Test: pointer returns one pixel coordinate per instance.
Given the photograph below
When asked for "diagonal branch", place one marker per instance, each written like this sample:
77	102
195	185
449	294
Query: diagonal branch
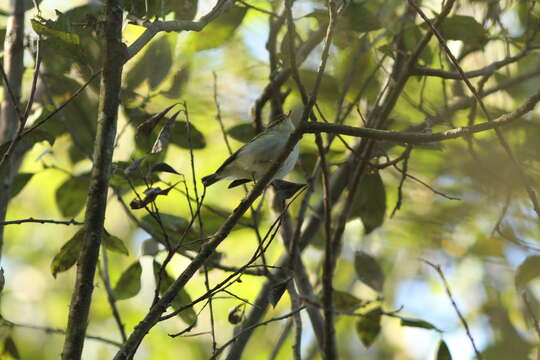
153	28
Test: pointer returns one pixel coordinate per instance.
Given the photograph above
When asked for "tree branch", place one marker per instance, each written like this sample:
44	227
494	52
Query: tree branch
97	193
422	138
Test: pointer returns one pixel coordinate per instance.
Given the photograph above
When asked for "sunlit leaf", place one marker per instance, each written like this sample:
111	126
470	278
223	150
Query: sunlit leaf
368	270
527	271
368	327
182	299
129	283
68	254
370	202
71	195
218	31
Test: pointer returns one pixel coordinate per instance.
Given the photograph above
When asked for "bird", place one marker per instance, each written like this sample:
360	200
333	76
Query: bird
254	159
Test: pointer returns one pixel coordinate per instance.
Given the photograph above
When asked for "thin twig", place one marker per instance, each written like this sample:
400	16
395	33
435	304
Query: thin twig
283	317
104	274
456	308
41	221
51	330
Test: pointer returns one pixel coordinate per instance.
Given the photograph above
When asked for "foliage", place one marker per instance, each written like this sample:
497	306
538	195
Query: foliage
190	97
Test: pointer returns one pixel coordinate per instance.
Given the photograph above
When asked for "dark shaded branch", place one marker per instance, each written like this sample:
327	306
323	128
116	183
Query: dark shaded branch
422	138
97	193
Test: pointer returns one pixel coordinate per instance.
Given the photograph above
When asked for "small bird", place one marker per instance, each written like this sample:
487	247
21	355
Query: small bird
255	158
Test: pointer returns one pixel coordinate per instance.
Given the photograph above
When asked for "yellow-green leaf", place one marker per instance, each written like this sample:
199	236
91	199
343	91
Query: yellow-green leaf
68	254
129	283
113	243
368	327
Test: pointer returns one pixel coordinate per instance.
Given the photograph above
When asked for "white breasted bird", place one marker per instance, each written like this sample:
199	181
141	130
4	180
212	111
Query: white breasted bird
255	158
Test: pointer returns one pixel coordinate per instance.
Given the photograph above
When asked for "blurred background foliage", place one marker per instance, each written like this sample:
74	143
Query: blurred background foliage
473	217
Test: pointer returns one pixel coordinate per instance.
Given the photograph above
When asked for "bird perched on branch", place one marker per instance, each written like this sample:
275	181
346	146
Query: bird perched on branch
255	158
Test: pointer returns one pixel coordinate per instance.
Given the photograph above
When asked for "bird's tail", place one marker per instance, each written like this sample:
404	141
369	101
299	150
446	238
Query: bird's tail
210	179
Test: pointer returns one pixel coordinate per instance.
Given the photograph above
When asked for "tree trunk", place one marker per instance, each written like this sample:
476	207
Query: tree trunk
115	54
9	117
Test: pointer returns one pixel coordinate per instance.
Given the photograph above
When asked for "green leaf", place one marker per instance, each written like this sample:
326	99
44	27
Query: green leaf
51	29
29	140
418	323
443	353
177	84
411	36
218	31
71	195
180	136
360	19
153	65
464	28
60	37
113	243
368	327
184	9
242	132
188	315
68	254
19	182
527	271
129	283
328	90
346	302
368	270
175	227
163	167
370	202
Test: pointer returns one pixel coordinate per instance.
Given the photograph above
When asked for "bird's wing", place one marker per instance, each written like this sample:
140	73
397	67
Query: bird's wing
229	160
264	149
